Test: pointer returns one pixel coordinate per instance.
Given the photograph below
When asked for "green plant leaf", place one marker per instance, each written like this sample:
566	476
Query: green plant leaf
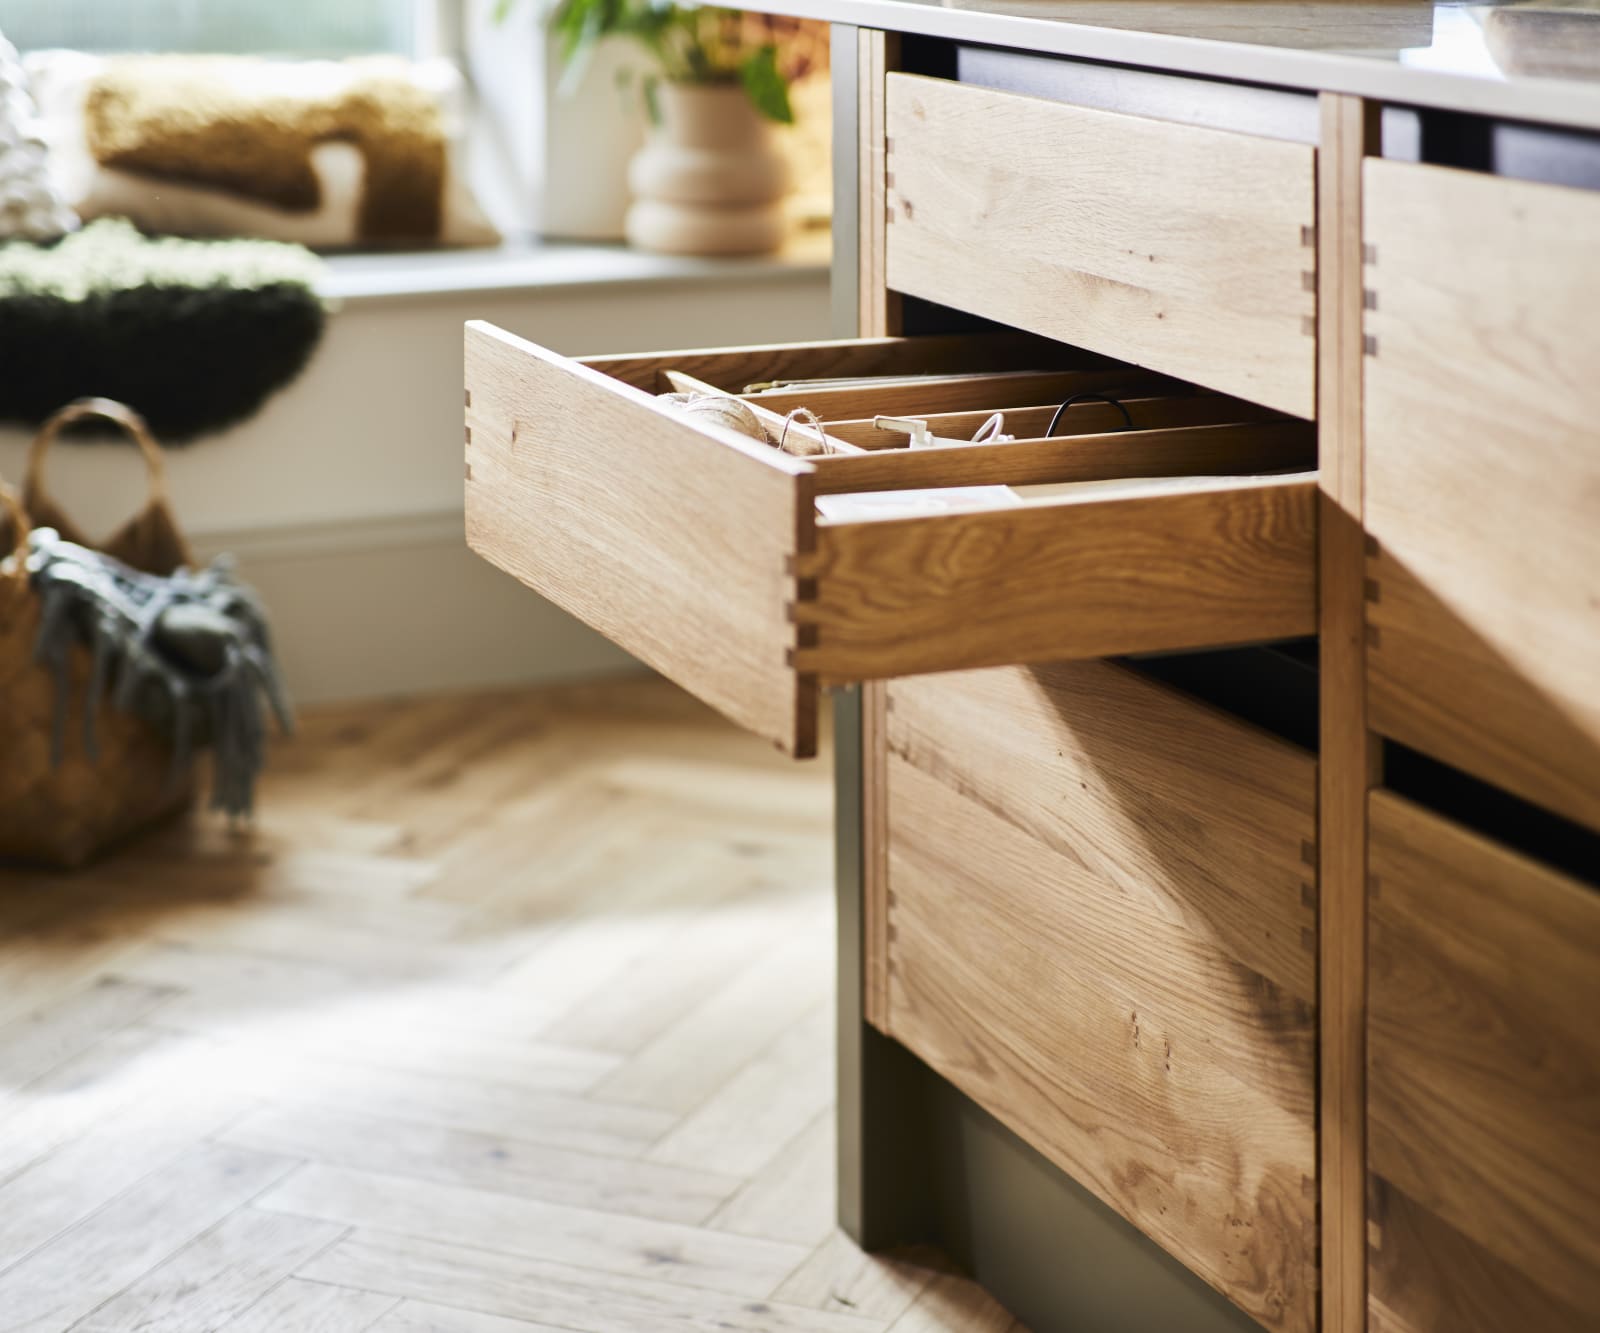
766	85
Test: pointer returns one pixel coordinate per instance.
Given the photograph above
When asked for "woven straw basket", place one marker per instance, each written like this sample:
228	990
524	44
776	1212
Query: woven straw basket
63	815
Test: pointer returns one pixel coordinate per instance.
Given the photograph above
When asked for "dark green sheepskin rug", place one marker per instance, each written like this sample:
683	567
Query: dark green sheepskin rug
195	335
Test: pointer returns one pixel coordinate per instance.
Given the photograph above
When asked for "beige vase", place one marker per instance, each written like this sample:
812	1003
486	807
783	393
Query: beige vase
710	179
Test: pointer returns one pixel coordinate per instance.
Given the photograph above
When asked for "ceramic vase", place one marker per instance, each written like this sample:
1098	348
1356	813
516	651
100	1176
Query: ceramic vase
711	177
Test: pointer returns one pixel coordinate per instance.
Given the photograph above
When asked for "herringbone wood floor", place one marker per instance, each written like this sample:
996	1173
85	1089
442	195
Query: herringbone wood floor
512	1013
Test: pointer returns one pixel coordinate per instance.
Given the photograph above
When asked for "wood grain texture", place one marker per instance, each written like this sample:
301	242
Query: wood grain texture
1483	482
1484	1078
1349	757
1085	418
1101	930
1072	578
186	1127
1196	450
1172	246
673	541
877	308
732	369
964	392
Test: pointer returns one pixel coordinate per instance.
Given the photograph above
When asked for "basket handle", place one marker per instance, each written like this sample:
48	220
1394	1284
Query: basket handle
130	421
11	503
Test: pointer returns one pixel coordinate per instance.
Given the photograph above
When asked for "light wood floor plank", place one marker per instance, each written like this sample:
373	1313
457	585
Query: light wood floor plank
587	1238
838	1276
216	1277
952	1304
140	1229
34	1044
510	1013
573	1298
762	1107
486	1161
792	1196
420	1317
297	1306
696	1056
64	1187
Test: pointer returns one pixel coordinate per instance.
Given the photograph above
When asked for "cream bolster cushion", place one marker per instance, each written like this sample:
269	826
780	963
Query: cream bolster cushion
79	96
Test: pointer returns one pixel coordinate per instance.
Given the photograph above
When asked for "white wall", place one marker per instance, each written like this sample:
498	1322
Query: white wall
343	497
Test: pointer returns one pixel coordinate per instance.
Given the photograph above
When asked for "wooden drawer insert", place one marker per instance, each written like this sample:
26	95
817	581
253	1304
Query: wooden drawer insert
1483	477
1101	926
1483	1084
1185	249
701	551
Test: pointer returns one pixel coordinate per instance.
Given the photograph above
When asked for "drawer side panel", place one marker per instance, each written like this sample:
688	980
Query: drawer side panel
672	543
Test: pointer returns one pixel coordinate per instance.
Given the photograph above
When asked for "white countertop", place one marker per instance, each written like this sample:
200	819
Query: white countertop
1523	61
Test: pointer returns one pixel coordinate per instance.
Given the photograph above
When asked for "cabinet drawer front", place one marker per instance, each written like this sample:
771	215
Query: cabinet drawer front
1101	926
703	553
1483	477
1483	1083
1183	249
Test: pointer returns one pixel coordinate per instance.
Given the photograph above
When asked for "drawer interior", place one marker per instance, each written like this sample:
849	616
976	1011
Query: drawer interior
809	542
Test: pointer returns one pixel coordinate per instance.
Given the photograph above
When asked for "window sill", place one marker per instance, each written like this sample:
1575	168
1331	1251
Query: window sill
514	268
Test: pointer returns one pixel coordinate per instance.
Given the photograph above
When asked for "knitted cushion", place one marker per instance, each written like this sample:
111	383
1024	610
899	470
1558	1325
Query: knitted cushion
192	334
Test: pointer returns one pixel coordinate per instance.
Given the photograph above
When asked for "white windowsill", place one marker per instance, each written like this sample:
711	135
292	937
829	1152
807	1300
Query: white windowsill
520	267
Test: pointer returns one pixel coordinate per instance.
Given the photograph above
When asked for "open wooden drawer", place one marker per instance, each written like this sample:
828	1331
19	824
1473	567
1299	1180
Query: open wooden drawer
702	551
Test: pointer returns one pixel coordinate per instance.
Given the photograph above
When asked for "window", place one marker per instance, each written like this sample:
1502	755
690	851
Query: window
257	27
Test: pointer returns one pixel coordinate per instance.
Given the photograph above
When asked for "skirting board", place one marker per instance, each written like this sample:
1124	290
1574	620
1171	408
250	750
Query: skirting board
387	607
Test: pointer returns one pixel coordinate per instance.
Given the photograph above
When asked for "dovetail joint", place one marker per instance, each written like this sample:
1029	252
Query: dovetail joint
469	397
469	471
1369	298
1308	325
1308	939
1369	254
1308	852
1372	545
1369	345
1371	591
1308	279
1308	236
1374	637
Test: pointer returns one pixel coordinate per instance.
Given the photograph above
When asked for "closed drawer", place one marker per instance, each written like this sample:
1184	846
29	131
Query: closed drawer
703	552
1101	926
1185	249
1483	477
1483	1084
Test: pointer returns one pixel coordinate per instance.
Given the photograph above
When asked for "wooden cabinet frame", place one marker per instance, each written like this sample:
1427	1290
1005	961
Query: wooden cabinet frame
887	1134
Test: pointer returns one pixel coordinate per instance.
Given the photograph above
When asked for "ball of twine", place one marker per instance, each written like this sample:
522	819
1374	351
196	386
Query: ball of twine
714	410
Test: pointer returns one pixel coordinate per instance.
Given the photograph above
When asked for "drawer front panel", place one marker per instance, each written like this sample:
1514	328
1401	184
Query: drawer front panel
1101	926
1483	1084
1184	249
1483	477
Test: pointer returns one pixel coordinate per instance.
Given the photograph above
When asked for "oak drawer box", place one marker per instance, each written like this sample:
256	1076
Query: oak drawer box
1483	477
1483	1084
1101	927
702	552
1184	249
